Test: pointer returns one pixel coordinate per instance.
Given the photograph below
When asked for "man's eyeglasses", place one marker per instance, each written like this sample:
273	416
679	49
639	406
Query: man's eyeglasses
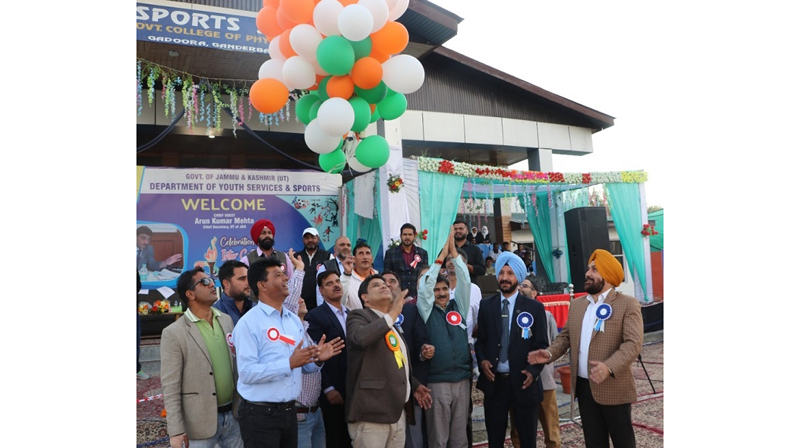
205	281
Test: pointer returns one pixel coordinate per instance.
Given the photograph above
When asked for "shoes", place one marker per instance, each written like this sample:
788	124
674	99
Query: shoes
141	375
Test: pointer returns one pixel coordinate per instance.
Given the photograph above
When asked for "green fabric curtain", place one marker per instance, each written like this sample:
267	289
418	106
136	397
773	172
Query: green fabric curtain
368	229
539	221
439	196
657	241
624	202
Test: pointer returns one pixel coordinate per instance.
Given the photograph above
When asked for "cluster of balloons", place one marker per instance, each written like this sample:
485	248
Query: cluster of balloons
346	54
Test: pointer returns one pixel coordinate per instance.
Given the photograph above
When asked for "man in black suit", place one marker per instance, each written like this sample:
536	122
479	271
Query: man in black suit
509	326
475	263
312	257
330	319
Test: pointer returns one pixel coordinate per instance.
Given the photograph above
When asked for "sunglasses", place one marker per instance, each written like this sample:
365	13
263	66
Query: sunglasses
206	281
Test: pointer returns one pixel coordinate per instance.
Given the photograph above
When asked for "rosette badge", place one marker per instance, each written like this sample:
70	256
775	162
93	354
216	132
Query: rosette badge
604	311
454	319
525	322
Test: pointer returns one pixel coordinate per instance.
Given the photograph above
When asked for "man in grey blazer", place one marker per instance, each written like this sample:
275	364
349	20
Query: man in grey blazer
379	377
198	372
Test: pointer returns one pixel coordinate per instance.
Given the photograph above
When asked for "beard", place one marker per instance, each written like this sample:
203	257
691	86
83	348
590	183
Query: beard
266	243
593	286
507	287
311	247
459	238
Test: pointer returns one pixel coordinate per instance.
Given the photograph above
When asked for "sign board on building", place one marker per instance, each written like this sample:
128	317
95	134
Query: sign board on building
199	26
205	215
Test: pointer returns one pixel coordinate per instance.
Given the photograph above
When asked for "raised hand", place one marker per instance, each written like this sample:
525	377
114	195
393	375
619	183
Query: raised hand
297	262
301	356
329	349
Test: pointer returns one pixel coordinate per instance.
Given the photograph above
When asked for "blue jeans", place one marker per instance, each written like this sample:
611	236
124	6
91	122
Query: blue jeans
228	434
310	430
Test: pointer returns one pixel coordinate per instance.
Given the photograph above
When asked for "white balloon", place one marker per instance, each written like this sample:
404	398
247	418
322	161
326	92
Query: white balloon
335	116
318	69
355	22
379	11
298	73
305	39
272	68
391	4
398	10
275	49
355	165
403	73
318	141
326	17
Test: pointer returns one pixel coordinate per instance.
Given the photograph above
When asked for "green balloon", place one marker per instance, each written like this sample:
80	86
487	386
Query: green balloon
303	106
335	55
322	90
375	116
333	162
312	111
374	95
393	106
373	151
362	48
362	113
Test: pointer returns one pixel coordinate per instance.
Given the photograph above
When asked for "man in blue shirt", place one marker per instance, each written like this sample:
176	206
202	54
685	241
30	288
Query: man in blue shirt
235	298
270	355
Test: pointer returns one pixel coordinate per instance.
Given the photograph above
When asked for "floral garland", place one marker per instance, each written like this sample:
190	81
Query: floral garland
649	230
395	183
491	173
195	91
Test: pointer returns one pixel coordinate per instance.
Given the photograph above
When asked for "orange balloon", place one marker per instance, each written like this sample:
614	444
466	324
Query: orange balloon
269	95
348	2
286	46
340	86
316	83
267	23
273	3
372	108
391	39
283	20
367	73
377	55
298	11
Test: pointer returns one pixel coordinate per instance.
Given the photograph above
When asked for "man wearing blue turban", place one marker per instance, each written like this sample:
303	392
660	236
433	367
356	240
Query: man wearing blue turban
509	326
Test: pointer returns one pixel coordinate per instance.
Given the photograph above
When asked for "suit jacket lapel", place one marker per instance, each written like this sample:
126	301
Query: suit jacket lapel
194	332
580	304
334	319
496	318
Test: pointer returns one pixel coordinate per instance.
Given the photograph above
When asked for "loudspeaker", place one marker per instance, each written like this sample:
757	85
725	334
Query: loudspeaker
587	230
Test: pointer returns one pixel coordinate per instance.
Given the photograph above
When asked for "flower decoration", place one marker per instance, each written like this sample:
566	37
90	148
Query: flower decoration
144	308
648	230
485	172
423	235
395	183
557	253
160	307
393	243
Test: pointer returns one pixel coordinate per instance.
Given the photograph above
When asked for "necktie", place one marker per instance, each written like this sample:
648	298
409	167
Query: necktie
504	334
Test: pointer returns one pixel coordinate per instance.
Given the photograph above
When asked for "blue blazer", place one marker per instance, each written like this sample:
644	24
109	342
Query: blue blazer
321	320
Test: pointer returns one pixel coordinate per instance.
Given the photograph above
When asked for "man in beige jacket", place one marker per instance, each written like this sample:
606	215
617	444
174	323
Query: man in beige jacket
198	372
604	333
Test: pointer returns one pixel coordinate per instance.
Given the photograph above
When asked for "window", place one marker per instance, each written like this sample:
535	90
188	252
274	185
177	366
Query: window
615	247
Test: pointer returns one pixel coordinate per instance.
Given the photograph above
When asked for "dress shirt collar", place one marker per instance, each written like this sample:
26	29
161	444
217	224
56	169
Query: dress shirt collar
336	310
215	312
600	299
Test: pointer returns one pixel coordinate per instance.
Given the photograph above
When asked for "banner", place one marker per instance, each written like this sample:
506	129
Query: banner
189	217
199	26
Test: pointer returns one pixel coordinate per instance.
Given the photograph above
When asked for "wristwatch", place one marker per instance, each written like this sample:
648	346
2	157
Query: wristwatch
611	372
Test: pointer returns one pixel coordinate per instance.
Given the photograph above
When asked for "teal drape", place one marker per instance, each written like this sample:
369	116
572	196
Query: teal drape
539	221
624	202
367	229
439	196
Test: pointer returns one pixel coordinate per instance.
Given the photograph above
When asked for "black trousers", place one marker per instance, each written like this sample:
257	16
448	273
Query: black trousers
268	426
601	421
336	434
496	409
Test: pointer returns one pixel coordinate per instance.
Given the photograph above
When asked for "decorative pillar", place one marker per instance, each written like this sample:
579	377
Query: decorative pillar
394	206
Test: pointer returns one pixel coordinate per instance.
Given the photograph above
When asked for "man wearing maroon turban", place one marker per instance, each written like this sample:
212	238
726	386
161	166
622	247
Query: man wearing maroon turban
263	235
604	333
